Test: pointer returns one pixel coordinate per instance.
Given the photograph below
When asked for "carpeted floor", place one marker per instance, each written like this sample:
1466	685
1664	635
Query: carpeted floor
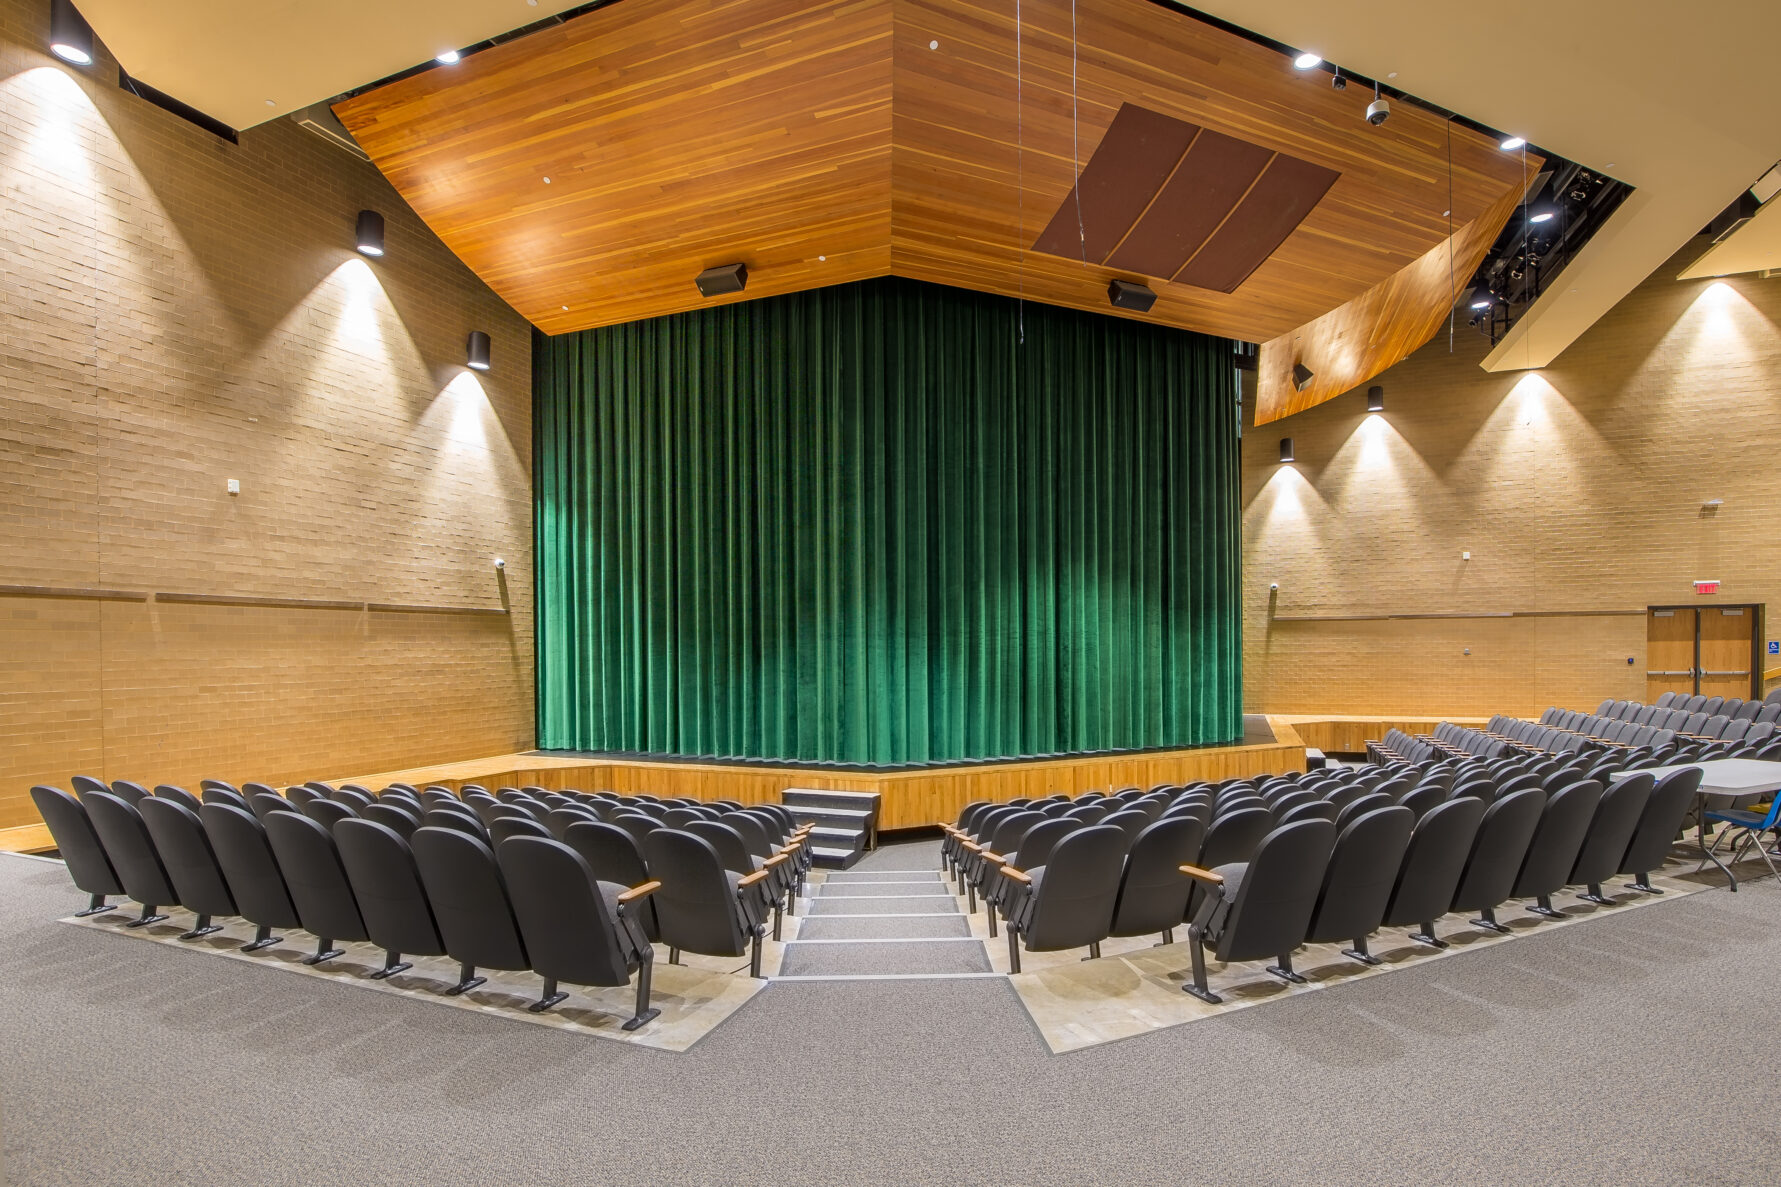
1635	1048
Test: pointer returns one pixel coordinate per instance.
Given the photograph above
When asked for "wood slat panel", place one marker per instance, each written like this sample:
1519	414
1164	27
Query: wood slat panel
1350	345
681	134
911	799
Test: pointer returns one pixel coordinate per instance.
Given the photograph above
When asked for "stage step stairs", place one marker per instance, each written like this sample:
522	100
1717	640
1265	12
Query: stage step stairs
845	823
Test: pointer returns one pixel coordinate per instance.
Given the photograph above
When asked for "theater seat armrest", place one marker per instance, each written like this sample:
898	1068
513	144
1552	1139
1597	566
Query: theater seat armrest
974	847
995	857
754	877
641	890
776	860
1017	875
1206	876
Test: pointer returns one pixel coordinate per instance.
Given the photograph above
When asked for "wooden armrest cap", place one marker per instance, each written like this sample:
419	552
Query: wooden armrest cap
995	857
974	847
1017	875
641	890
753	878
776	860
1203	875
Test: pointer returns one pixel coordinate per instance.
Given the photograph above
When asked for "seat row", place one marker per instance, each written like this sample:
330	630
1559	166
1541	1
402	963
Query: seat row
1326	859
510	883
1699	703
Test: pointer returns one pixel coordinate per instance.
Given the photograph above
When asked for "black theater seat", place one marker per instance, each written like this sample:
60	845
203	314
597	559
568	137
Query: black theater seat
132	853
79	846
702	907
255	882
190	861
577	929
1069	901
317	881
1357	885
386	883
470	903
1261	908
1497	855
1153	891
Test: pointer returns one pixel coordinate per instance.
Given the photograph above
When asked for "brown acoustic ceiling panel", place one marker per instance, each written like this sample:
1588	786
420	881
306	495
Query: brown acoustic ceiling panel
1164	198
1211	179
1272	210
1132	162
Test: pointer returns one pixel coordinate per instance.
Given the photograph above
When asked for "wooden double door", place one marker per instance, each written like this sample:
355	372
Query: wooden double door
1716	651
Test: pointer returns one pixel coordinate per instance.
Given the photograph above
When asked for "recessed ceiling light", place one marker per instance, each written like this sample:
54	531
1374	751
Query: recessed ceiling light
1543	217
933	45
1609	165
822	258
272	102
565	309
1481	304
448	58
1513	143
547	181
1307	60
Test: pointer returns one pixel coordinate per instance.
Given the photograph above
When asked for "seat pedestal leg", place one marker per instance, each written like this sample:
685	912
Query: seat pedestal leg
1013	950
1284	970
644	1013
95	906
1168	936
1487	919
324	950
203	927
148	916
1359	952
1543	906
1094	951
989	909
467	980
754	956
551	997
1427	936
1199	988
263	938
1595	895
776	919
1643	882
392	964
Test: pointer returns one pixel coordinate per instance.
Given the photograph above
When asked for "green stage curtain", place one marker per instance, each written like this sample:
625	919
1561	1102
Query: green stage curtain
886	522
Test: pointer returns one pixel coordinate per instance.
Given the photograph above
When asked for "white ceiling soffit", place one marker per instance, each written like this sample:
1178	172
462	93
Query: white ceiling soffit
1753	247
248	62
1677	100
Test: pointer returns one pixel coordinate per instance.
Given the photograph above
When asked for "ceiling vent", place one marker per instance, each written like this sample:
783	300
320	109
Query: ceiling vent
320	119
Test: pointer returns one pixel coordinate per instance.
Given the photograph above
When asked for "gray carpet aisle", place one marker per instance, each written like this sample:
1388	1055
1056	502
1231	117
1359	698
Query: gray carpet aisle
888	916
1636	1049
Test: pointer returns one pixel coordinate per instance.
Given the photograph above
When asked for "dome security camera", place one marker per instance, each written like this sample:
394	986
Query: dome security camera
1378	111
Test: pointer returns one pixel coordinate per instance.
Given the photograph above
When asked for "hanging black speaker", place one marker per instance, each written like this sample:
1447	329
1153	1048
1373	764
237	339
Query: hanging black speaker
1126	294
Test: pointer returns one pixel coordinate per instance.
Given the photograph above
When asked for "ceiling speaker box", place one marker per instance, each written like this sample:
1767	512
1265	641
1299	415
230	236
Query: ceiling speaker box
1126	295
730	278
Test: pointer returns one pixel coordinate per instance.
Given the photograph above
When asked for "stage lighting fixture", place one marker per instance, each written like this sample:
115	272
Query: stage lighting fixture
1306	61
450	57
1513	143
369	236
70	37
1301	376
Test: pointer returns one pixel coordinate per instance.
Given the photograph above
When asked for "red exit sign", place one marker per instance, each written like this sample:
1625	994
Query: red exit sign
1706	587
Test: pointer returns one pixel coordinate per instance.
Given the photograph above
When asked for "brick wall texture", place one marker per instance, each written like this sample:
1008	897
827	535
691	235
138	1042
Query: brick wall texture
1576	488
179	311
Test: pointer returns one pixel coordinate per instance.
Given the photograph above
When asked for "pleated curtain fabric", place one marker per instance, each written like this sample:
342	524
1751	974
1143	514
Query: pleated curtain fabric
886	523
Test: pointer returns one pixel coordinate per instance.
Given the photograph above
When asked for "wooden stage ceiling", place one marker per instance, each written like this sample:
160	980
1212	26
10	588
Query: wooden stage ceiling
590	171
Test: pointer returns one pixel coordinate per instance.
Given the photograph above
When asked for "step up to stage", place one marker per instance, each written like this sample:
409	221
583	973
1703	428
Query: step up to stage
844	823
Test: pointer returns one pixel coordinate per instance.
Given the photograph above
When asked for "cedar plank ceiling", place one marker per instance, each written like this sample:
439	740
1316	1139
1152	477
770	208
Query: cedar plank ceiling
682	134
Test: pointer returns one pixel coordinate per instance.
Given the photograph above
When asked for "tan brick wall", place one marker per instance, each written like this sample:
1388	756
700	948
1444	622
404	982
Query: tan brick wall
179	311
1575	488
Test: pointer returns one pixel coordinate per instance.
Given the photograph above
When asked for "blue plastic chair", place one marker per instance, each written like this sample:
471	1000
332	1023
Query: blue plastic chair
1752	824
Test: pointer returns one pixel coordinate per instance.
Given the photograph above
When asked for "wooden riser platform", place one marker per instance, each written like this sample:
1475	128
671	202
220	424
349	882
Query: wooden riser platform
911	799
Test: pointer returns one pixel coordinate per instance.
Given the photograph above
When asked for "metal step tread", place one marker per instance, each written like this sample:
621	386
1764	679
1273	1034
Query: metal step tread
866	796
862	815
